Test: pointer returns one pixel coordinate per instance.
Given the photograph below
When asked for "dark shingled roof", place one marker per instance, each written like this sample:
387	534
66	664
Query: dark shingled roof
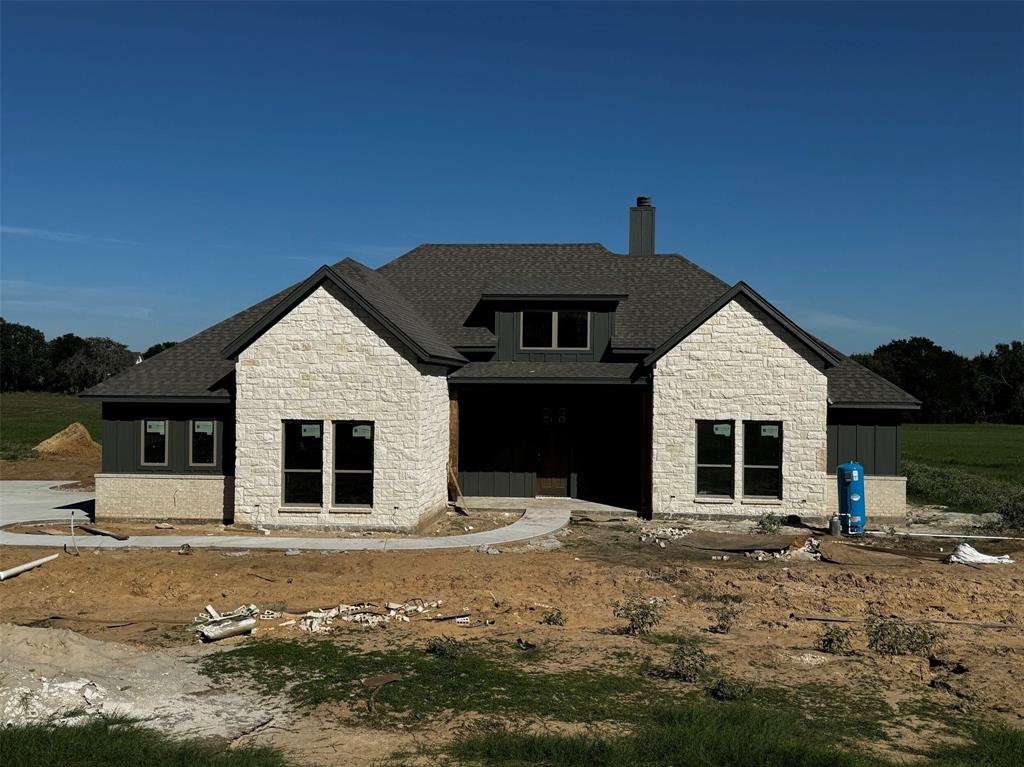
593	372
428	293
445	282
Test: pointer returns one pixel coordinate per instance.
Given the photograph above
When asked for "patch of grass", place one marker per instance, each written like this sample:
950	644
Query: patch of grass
688	663
894	636
27	418
767	524
724	617
994	451
309	673
115	742
965	492
642	613
835	640
709	735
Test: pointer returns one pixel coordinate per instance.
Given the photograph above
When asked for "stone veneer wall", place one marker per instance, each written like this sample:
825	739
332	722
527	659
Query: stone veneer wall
739	365
206	497
885	497
325	361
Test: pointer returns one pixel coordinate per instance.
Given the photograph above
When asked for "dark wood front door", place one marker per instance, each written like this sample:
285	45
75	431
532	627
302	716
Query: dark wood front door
553	459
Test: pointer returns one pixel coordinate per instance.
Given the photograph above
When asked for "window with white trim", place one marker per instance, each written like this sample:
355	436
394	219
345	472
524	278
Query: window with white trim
303	463
716	458
353	463
154	442
566	329
762	459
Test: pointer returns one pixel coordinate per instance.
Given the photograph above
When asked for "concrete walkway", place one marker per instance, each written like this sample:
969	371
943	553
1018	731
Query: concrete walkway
38	501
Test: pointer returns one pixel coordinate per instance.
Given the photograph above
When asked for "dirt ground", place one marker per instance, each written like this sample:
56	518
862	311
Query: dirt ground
143	598
79	469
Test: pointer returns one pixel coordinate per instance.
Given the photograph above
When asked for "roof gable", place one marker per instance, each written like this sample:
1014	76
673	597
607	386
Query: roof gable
744	290
370	291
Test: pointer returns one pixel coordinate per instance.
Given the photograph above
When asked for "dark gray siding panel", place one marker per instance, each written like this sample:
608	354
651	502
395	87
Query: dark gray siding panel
872	438
122	437
507	330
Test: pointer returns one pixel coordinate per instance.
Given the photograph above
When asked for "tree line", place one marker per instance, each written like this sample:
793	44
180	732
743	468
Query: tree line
67	364
952	388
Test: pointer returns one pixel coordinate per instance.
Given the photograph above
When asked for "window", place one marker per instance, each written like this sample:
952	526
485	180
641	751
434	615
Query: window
353	463
762	459
303	463
716	458
567	329
154	442
202	443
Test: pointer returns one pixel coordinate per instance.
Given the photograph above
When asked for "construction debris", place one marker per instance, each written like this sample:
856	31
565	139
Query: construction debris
965	554
10	572
163	526
184	549
662	534
320	621
212	626
100	531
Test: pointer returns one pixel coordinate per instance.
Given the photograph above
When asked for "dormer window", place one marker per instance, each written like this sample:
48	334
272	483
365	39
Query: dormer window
568	329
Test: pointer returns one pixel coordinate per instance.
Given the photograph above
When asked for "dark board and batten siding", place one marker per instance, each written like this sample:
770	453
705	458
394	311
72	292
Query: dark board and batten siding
872	438
507	330
122	437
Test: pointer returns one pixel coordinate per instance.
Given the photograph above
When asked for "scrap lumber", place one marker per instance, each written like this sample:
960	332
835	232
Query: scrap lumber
460	501
100	531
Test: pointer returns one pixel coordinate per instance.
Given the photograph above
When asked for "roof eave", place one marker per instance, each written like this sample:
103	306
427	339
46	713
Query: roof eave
870	405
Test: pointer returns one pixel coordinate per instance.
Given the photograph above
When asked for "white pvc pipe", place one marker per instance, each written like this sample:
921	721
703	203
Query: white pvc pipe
946	535
12	571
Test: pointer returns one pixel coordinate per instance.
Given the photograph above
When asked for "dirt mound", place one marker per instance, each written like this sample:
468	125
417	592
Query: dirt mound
75	440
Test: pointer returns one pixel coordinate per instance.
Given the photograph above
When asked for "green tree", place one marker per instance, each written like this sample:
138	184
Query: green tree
95	360
1000	383
157	348
22	357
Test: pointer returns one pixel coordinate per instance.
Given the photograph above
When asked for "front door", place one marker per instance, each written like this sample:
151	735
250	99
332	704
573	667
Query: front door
553	458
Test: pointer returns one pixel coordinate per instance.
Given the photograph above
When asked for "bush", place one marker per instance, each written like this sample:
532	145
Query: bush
445	647
964	491
894	636
835	640
553	618
688	663
724	616
730	689
642	614
768	524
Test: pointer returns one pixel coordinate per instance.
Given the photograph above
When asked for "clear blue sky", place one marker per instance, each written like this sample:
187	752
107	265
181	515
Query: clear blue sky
862	166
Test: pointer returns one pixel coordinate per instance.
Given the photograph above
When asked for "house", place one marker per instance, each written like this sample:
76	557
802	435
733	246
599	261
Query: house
639	380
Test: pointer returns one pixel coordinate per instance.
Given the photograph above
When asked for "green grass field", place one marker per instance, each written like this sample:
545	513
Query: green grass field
994	451
27	418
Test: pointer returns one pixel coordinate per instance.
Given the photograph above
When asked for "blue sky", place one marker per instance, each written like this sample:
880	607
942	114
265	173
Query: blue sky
862	166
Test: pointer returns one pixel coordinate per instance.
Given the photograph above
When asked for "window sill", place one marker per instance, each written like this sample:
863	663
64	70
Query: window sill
714	499
755	501
350	510
299	509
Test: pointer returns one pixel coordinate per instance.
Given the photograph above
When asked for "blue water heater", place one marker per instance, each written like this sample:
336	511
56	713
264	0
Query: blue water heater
852	510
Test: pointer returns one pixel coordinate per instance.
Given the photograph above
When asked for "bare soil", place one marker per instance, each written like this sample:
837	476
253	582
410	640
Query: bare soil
70	454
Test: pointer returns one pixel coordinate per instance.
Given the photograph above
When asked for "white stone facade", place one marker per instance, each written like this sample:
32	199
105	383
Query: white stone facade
885	499
193	497
328	362
739	365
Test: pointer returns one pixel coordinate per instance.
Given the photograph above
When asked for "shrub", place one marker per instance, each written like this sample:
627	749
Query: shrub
894	636
688	663
724	616
642	614
768	524
835	640
445	647
730	689
962	490
553	618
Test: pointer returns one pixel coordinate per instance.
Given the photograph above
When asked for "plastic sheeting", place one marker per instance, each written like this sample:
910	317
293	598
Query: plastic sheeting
965	554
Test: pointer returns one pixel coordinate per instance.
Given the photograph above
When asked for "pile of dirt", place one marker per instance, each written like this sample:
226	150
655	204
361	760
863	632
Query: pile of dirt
73	442
50	672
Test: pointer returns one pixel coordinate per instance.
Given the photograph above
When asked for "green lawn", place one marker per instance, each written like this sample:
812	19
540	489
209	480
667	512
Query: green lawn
27	418
995	451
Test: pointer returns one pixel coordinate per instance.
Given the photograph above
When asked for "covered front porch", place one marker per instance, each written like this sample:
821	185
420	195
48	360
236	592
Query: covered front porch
580	442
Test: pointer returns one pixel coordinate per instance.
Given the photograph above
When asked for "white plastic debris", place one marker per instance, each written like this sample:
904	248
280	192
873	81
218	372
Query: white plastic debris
367	613
662	534
965	554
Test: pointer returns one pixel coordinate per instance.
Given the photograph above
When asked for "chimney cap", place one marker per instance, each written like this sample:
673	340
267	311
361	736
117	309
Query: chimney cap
643	202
